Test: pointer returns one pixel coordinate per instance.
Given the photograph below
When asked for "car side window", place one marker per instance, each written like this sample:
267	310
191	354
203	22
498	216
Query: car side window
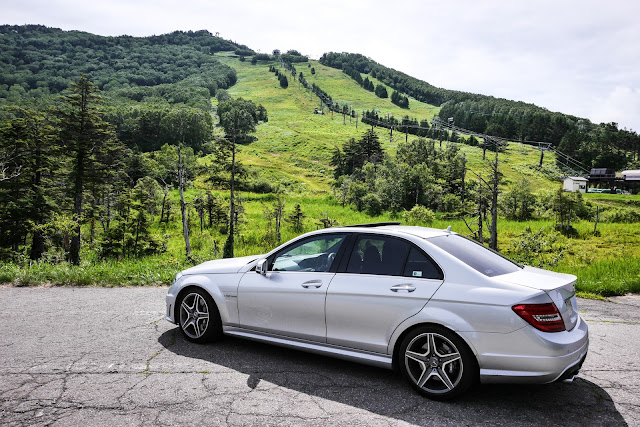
313	254
378	255
420	265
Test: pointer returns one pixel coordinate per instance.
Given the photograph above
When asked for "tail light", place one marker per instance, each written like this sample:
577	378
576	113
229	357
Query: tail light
544	317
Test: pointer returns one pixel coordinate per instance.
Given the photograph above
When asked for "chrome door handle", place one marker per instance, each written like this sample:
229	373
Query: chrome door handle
405	287
312	284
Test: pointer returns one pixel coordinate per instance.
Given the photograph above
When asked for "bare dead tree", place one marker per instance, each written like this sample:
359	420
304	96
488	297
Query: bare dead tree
8	167
489	199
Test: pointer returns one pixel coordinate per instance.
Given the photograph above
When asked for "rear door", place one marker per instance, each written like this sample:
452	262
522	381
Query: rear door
383	281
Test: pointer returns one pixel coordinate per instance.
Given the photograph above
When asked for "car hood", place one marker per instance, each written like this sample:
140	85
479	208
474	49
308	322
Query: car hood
225	265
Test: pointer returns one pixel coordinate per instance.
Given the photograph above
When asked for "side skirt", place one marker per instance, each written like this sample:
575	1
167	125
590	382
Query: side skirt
373	359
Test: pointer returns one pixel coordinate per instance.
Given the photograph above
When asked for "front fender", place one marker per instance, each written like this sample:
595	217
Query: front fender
223	288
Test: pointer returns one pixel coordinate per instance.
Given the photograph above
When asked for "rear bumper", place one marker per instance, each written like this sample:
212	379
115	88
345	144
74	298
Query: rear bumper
530	356
572	371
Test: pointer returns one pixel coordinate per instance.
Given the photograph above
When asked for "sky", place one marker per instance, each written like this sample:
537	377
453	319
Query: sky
577	57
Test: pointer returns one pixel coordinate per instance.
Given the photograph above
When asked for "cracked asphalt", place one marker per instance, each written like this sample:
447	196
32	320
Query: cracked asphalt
98	356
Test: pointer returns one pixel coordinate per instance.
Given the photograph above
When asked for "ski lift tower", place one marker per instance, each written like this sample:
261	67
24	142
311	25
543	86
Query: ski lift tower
543	146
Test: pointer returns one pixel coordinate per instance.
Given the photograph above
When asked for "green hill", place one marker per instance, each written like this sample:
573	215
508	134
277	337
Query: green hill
296	144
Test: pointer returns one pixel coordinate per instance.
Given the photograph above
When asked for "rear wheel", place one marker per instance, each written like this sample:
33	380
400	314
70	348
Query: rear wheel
437	362
198	317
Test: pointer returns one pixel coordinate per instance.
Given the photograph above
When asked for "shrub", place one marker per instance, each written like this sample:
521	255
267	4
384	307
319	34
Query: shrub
519	201
356	193
539	249
451	203
624	215
244	52
372	204
419	215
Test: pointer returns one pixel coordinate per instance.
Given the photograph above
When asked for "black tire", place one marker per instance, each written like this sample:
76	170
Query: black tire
198	316
442	374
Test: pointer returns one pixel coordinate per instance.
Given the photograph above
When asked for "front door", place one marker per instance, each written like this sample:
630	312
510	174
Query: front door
289	299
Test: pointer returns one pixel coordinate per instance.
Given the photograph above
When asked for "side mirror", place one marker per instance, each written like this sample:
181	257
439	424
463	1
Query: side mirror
262	266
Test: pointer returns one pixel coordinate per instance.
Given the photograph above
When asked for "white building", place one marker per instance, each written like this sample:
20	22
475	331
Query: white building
573	183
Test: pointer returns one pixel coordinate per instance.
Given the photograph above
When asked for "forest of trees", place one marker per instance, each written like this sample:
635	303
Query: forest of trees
65	167
419	174
36	61
96	131
595	145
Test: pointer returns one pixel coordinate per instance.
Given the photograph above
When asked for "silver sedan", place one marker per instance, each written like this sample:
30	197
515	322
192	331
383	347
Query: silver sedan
438	307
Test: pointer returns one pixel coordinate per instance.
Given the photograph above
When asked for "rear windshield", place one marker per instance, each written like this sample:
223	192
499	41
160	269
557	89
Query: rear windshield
475	255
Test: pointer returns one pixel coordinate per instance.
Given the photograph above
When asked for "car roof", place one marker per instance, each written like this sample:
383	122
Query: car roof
384	228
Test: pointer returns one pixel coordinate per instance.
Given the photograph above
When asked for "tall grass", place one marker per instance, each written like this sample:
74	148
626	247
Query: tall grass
149	271
606	265
607	277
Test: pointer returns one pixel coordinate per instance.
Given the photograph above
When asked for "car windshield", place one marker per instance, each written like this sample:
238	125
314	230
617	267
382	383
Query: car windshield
475	255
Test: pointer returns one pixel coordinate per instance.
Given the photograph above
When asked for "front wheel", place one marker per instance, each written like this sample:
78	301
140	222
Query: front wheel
437	362
199	318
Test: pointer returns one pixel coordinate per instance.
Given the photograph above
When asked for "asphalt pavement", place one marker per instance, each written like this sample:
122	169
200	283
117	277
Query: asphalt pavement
106	356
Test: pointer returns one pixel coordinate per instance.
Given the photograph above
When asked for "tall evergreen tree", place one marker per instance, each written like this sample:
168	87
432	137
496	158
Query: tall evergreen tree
284	83
381	91
91	144
25	201
371	149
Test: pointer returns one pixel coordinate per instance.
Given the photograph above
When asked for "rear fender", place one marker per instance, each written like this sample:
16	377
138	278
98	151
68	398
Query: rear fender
434	316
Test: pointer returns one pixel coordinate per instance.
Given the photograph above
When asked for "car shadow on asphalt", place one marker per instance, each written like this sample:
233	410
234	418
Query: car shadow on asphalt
384	392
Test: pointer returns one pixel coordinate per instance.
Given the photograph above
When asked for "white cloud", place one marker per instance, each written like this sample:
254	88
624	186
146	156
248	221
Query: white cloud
622	105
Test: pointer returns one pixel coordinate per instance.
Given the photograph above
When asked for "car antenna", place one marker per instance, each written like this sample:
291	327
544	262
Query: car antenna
448	230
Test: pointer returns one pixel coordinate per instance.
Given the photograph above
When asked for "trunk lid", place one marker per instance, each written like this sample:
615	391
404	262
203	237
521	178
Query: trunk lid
560	287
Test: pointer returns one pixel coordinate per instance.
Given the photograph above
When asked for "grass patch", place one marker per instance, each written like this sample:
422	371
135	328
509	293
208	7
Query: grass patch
607	277
588	257
149	271
590	295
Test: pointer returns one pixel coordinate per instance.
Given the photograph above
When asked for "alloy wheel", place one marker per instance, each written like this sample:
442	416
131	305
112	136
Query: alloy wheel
433	363
194	315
